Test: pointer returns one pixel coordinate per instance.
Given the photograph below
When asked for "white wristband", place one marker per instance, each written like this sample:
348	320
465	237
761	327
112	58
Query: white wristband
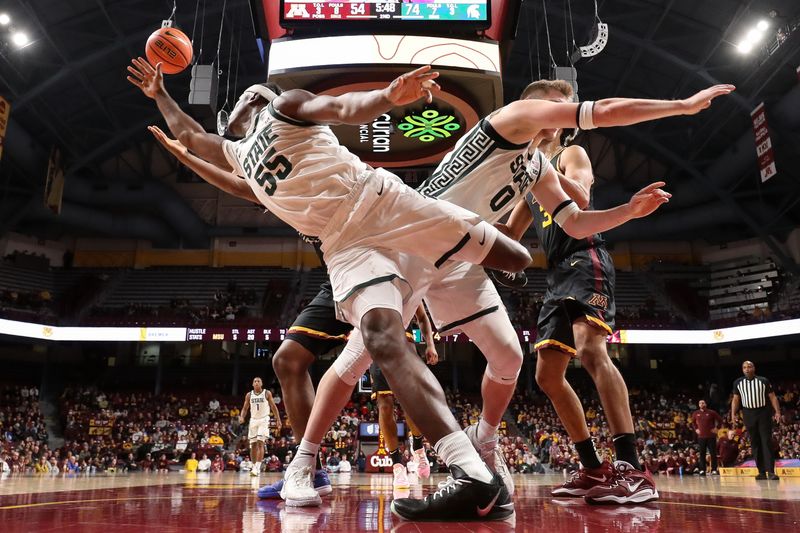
586	116
565	211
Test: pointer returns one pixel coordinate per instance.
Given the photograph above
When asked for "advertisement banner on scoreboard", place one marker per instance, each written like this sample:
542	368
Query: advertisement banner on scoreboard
764	152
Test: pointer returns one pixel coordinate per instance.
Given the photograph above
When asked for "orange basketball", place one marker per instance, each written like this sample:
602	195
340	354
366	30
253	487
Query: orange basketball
170	47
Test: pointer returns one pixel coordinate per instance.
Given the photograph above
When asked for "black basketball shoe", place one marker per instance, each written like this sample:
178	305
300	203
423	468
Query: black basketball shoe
514	280
461	498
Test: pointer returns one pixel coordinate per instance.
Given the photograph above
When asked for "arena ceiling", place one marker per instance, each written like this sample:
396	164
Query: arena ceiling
68	89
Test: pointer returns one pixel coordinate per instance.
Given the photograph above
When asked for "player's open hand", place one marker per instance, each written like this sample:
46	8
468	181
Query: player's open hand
412	86
702	100
148	79
172	145
648	200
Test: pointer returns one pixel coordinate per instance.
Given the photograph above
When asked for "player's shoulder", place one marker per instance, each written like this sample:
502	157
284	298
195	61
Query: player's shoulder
575	151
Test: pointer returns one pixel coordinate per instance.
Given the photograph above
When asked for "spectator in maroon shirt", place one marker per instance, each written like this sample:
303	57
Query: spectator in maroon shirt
728	450
705	422
163	463
217	465
147	463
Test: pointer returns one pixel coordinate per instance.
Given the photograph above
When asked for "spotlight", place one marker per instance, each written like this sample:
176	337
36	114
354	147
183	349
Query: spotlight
5	20
20	39
744	47
762	25
753	36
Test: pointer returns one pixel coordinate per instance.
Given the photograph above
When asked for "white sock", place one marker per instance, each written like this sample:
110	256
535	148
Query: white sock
306	455
486	431
257	466
456	449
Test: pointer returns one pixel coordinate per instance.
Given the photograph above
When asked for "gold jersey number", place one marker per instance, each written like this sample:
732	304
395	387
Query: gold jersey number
547	218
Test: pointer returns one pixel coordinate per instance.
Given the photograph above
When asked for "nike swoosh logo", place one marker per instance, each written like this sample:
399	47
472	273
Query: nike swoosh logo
573	263
380	191
483	239
486	510
634	486
600	479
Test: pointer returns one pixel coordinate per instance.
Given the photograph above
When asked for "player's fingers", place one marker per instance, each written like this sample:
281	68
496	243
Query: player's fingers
428	76
134	81
652	187
158	69
135	72
143	65
428	96
417	72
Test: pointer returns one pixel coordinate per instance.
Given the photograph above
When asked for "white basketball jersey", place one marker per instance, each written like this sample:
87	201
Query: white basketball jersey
297	170
485	173
259	407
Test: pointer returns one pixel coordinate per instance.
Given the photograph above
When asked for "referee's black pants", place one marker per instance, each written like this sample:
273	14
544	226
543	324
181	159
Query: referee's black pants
759	425
709	444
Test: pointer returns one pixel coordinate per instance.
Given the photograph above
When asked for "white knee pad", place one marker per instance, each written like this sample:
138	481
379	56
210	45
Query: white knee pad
495	337
353	361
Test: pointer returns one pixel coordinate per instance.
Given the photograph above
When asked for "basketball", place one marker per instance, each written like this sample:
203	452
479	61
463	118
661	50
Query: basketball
170	47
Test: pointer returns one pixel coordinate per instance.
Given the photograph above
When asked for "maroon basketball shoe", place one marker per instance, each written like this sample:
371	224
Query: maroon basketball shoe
584	479
628	485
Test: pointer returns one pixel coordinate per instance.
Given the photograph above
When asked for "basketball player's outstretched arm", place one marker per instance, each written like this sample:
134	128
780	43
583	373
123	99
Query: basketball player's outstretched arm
521	121
551	193
358	107
275	412
186	129
225	181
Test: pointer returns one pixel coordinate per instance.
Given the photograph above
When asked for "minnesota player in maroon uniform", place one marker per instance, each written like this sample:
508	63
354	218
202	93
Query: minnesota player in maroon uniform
576	317
706	422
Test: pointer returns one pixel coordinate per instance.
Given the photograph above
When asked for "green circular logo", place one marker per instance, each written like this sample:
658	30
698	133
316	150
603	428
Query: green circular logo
428	126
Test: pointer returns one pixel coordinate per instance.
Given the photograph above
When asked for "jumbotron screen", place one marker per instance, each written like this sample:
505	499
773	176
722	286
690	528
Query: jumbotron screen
470	12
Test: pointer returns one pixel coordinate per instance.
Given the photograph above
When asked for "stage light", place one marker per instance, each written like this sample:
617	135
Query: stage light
744	47
762	25
20	39
753	36
5	20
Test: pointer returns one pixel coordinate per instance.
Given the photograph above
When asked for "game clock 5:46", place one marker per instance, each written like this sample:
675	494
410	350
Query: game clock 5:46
378	14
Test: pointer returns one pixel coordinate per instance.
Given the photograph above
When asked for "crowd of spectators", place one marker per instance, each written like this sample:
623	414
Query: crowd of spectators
18	303
666	439
23	434
126	432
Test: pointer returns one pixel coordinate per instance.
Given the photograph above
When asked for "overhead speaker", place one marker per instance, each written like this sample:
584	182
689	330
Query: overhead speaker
203	89
570	75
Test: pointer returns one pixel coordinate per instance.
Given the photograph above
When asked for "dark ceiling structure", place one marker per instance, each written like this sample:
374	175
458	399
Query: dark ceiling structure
68	89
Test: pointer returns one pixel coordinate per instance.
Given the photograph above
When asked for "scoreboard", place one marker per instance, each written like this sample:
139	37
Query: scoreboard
474	13
235	334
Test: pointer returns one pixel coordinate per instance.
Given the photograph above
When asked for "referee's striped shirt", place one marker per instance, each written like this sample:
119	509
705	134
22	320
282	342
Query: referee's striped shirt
753	392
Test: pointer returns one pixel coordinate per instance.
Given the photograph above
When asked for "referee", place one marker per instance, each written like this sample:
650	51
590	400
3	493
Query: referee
750	392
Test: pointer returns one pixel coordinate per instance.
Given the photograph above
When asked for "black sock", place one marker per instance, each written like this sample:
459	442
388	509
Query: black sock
587	454
416	442
625	449
396	457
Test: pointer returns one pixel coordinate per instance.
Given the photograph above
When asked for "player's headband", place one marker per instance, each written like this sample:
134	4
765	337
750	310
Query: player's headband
262	91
